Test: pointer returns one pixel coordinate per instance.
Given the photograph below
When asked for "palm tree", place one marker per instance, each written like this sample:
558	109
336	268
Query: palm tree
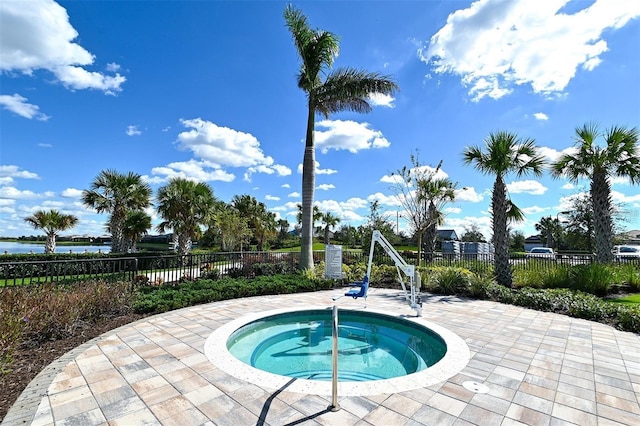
136	226
345	89
317	215
261	222
620	158
232	226
184	205
437	193
265	227
117	194
51	222
548	227
329	221
505	153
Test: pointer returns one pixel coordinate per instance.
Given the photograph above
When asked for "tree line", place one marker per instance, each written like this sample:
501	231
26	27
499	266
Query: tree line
347	89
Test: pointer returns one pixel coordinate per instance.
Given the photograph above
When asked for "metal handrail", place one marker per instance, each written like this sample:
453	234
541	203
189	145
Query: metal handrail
334	361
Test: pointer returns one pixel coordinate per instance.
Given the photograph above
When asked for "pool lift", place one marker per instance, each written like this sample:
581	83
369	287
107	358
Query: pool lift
413	297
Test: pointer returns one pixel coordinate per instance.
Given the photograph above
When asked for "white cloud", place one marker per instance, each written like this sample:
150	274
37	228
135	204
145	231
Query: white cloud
294	195
45	145
37	34
71	193
15	172
468	193
553	155
287	206
347	135
319	171
201	171
16	194
420	172
495	45
285	185
453	210
5	202
325	186
345	210
385	200
113	67
566	203
526	186
541	116
460	223
379	99
568	186
221	146
6	180
534	209
18	104
271	198
619	197
133	131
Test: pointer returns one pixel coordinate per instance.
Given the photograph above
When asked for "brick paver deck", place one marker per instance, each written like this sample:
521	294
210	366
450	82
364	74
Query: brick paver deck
538	368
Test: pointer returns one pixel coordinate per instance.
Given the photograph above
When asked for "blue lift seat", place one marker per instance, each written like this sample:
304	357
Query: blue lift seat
361	291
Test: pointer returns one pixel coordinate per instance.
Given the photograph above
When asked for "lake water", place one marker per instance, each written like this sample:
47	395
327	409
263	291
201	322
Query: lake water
20	248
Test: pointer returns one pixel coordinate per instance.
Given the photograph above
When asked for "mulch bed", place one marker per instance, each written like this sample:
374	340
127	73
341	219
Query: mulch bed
31	359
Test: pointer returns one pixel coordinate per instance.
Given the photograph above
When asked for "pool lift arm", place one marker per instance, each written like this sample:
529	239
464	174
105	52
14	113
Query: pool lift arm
401	265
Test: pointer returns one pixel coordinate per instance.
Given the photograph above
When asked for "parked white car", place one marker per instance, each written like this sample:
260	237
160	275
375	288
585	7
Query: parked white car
626	252
541	252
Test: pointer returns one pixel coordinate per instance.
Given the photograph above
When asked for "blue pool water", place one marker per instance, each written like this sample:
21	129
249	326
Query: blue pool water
371	346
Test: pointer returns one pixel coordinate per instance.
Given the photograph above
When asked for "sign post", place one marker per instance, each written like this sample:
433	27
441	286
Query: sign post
333	262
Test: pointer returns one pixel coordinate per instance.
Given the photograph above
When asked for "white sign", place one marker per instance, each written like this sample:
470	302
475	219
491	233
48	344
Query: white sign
333	262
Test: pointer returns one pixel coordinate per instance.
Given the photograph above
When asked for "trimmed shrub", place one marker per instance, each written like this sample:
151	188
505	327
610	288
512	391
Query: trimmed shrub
166	298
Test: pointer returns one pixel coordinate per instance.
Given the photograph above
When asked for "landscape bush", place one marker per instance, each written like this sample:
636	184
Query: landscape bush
594	278
570	302
448	280
165	298
31	315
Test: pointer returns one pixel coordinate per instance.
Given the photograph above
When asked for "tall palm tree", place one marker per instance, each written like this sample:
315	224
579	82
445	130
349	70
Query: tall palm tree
117	194
136	226
344	89
184	205
619	158
437	192
329	221
505	153
51	222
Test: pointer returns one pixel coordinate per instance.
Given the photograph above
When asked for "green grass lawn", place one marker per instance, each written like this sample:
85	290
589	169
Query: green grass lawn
632	299
316	246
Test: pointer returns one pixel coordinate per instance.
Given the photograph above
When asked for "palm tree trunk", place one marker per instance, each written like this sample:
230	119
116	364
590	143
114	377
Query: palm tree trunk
308	186
432	231
603	228
50	246
184	246
500	234
118	244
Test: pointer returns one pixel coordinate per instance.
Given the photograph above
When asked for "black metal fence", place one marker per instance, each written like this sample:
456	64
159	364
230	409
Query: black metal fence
174	268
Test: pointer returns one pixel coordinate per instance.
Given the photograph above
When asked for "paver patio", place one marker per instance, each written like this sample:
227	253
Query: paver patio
538	368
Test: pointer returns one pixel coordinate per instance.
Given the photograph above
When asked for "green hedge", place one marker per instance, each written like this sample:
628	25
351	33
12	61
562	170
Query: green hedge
166	298
573	303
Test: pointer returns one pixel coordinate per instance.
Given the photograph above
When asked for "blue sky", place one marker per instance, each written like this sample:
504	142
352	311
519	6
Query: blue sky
206	90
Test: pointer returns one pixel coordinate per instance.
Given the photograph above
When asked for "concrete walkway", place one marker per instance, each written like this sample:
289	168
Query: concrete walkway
535	368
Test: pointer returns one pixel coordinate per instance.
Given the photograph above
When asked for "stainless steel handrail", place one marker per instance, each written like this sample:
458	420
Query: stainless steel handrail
334	361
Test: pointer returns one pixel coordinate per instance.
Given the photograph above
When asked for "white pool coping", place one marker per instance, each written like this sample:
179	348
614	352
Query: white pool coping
455	359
